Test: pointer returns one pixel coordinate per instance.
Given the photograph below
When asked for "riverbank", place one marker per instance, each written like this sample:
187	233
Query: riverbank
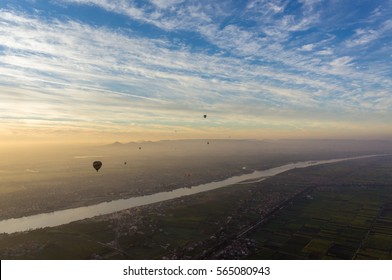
66	216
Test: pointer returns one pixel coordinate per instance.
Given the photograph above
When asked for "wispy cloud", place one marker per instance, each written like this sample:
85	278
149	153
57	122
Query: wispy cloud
308	47
269	59
369	35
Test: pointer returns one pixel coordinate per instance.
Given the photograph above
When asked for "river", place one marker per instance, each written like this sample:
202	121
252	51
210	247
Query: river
70	215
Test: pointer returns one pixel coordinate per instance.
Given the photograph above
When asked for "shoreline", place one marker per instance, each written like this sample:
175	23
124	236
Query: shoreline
91	210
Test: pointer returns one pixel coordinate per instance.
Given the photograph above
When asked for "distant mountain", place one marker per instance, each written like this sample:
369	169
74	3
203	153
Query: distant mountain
283	145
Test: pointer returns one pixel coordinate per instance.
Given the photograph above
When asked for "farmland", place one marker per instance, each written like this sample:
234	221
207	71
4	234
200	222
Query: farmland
349	217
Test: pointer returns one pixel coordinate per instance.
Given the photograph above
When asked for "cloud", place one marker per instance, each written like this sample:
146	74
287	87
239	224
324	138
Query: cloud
363	37
257	66
308	47
165	4
88	60
167	15
325	52
341	61
266	7
268	29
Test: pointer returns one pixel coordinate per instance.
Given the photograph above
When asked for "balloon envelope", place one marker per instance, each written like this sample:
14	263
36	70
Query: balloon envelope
97	165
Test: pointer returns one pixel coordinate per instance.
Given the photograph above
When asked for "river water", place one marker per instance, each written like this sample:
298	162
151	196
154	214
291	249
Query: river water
70	215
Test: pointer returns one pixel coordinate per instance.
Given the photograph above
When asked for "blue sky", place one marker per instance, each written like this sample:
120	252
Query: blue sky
129	70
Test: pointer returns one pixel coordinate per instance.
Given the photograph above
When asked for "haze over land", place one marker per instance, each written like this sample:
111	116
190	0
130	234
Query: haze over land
328	211
46	178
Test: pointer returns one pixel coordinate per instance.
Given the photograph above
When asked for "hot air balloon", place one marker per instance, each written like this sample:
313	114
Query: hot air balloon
97	165
205	116
125	162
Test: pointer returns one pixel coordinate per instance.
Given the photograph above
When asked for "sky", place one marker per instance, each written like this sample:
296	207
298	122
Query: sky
130	70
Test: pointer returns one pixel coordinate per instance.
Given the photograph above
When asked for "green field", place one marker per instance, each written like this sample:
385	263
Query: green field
338	220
